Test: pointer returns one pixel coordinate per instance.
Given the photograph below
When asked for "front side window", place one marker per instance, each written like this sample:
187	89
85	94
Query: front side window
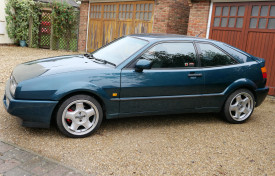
120	50
171	55
212	56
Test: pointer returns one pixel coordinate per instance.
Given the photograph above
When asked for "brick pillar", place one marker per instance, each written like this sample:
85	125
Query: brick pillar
171	16
198	18
84	9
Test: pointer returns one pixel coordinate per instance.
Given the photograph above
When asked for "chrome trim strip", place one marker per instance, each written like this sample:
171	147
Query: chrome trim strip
165	97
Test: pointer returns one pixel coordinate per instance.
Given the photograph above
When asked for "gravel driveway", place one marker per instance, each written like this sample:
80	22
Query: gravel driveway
190	144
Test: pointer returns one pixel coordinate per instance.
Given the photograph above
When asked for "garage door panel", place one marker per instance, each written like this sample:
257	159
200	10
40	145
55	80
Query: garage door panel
125	28
271	61
255	32
94	35
109	21
258	44
262	45
227	36
143	27
109	11
108	32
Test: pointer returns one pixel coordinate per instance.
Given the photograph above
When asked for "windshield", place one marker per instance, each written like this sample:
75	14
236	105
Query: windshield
120	50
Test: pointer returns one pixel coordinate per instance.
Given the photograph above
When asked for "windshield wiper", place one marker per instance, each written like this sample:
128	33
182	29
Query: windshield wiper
105	61
90	56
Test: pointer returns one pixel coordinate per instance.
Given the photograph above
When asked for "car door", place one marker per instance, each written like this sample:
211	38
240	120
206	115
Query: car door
172	85
220	70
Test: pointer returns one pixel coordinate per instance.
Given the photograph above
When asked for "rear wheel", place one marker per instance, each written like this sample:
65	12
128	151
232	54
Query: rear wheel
79	116
239	106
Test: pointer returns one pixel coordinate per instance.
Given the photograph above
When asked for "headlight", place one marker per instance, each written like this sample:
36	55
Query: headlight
13	85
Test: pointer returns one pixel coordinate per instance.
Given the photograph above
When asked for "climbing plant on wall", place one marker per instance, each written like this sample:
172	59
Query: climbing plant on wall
18	18
36	9
64	18
23	23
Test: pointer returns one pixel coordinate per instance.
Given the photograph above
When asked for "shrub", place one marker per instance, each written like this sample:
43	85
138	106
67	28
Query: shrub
18	15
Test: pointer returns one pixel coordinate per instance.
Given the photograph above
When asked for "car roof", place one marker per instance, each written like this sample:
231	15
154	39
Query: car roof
162	37
153	38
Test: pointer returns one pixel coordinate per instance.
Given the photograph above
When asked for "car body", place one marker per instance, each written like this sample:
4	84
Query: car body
190	74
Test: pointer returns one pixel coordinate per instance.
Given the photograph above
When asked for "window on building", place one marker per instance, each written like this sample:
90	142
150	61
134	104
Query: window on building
109	11
96	11
126	11
262	17
144	11
229	16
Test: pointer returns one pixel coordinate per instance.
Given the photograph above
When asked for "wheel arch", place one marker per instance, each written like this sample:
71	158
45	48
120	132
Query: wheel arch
240	84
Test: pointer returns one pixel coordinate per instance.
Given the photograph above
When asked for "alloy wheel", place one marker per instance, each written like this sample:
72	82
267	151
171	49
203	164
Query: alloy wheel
241	106
80	117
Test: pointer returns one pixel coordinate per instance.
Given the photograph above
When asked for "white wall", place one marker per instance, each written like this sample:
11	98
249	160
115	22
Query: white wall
4	38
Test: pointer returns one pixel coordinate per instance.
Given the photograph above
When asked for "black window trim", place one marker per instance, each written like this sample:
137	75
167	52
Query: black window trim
210	43
131	65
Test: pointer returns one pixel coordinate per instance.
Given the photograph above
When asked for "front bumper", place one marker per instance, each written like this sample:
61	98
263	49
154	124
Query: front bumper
32	112
260	95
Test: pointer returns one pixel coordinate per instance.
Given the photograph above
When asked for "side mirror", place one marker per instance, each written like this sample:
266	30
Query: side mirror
143	64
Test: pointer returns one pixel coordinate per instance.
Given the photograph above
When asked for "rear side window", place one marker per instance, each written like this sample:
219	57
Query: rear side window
171	55
239	56
212	56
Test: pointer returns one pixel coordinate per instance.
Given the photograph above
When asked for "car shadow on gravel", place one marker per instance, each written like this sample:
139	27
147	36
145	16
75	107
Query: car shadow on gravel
159	121
140	122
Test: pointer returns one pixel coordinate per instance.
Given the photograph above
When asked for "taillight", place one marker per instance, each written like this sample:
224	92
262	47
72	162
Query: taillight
264	72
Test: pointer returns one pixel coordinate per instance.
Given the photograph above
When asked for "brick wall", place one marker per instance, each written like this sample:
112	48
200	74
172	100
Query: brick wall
171	16
84	8
198	17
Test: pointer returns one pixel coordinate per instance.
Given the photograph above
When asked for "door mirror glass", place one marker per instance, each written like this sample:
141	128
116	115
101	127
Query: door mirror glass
143	64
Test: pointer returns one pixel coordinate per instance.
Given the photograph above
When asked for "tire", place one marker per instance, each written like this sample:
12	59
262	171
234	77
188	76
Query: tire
79	116
239	106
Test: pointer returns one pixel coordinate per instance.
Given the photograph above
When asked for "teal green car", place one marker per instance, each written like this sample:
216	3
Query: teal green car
137	75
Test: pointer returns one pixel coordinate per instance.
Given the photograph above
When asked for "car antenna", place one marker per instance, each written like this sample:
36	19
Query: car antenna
199	34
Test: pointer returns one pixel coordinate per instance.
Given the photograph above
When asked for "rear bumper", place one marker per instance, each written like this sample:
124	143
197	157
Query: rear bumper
32	112
260	95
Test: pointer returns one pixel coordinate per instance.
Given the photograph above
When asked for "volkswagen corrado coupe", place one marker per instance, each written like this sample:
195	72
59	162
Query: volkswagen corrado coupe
137	75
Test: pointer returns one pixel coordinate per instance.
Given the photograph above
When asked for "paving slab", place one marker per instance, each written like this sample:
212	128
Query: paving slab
17	172
15	161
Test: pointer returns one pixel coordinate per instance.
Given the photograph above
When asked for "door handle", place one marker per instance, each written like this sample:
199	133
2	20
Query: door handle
195	75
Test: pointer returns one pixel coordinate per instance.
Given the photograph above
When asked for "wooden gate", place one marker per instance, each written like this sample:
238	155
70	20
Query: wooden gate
45	29
249	26
109	21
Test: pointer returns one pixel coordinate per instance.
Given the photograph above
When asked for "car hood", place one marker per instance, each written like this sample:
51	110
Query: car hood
54	65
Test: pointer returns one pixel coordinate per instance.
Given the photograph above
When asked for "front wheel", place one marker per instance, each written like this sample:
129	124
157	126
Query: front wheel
79	116
239	106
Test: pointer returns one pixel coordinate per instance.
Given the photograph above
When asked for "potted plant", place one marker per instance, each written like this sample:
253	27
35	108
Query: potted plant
22	35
